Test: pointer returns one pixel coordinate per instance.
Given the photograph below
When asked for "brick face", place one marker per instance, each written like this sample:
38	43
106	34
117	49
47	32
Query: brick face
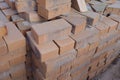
65	44
78	23
16	41
55	30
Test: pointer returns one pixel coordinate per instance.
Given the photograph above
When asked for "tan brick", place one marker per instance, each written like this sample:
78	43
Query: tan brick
11	3
66	61
78	23
54	65
93	42
47	68
81	39
45	51
83	50
22	6
23	26
57	29
3	30
22	78
80	71
4	67
14	42
115	17
65	76
112	24
103	28
50	13
38	75
9	12
32	16
80	61
18	71
92	17
51	3
17	60
3	47
3	5
16	18
65	44
3	17
5	76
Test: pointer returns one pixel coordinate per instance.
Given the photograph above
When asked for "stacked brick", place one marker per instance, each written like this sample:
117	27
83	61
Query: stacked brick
52	8
77	47
93	43
52	50
12	54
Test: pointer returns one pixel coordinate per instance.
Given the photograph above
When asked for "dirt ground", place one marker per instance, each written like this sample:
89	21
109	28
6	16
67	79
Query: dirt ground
112	73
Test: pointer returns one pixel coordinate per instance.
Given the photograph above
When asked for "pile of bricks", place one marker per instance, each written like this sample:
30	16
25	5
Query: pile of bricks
72	46
78	49
12	53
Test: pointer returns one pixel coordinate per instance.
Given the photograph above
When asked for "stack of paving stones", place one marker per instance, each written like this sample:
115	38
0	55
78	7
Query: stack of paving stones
74	46
91	47
12	53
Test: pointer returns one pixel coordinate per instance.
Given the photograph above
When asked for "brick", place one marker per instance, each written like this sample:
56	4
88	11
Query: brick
78	23
16	18
4	67
14	42
83	50
42	34
22	6
22	78
65	76
91	75
93	42
115	17
78	72
103	28
3	17
92	17
81	61
66	61
11	3
3	47
18	71
3	30
17	60
54	65
118	28
81	39
32	16
24	26
112	24
38	75
5	76
46	68
45	51
65	44
9	12
25	5
51	3
50	13
3	5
